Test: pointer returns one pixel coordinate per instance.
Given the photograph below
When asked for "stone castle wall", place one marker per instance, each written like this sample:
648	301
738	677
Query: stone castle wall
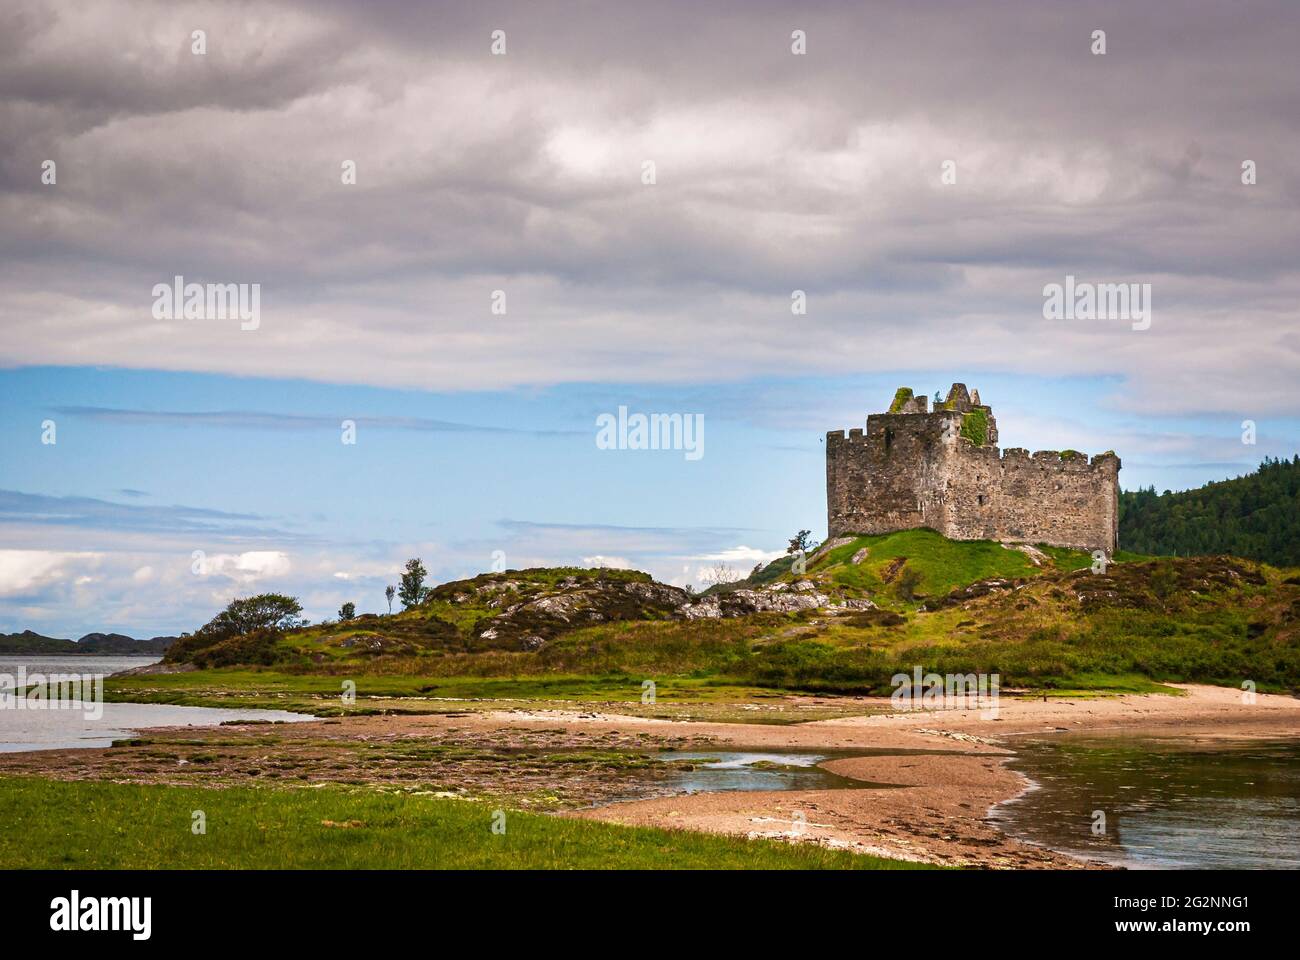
913	468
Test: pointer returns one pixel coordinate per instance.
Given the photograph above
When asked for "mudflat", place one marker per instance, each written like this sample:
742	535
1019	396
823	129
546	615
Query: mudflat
929	777
938	811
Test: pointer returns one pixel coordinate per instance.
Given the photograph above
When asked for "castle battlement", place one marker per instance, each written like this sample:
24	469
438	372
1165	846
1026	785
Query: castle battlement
914	466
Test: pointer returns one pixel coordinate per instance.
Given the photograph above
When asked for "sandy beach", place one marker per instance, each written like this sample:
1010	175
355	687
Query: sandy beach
938	813
935	774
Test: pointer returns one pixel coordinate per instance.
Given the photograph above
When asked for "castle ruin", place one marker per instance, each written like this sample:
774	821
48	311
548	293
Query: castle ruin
941	469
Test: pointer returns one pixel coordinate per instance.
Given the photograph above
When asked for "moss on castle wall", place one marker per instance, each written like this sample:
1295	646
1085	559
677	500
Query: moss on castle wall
901	396
975	427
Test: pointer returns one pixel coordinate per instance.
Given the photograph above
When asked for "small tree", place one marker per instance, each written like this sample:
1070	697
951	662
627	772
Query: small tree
390	591
257	620
800	541
266	611
347	611
412	588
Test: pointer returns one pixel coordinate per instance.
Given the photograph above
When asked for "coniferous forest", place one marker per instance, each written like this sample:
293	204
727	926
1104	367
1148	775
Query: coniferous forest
1256	516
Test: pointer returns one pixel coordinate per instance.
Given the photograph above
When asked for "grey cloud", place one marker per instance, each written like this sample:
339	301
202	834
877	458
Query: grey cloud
265	420
89	513
775	173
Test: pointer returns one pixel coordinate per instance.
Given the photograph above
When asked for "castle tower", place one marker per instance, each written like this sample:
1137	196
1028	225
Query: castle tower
942	469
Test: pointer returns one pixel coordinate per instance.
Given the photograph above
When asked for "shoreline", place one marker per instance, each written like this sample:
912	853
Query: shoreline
941	812
936	776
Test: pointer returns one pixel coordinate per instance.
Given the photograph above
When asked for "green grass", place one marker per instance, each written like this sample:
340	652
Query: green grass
1138	625
318	694
942	564
106	826
1200	620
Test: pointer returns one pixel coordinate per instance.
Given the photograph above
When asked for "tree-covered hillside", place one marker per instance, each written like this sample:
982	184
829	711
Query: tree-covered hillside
1256	516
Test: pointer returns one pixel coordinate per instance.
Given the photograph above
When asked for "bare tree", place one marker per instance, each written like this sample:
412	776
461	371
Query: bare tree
721	573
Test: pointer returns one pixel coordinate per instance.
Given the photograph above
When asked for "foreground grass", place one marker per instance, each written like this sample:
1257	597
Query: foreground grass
51	824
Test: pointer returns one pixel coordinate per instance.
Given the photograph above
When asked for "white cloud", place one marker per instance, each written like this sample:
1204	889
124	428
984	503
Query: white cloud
245	568
25	570
742	554
733	563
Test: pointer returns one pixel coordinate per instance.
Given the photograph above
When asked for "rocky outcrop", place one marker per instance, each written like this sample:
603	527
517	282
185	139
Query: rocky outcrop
529	619
980	588
533	614
828	546
780	598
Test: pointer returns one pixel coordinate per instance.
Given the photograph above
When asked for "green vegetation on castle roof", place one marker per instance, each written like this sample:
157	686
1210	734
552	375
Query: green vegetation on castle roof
901	396
975	426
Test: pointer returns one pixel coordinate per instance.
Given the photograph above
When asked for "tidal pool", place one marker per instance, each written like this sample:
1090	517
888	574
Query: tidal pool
1166	804
716	771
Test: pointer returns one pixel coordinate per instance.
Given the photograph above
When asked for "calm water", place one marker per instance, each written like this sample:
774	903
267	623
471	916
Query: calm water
715	771
1208	805
100	666
59	729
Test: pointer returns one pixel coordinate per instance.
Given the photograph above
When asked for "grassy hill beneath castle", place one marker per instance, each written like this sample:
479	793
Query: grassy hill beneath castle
865	609
1255	516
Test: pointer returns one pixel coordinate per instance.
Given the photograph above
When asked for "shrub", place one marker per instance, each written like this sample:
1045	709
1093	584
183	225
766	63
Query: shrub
258	647
266	611
906	583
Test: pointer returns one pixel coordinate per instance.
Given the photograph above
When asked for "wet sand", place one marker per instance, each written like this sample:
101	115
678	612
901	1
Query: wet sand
935	812
939	813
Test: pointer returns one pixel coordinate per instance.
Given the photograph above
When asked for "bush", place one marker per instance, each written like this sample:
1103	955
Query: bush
273	612
261	647
906	583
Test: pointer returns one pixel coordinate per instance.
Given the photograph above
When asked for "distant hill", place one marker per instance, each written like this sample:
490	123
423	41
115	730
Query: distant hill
1256	516
100	644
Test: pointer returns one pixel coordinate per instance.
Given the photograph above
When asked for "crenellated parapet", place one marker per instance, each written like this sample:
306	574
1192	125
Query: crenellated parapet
941	468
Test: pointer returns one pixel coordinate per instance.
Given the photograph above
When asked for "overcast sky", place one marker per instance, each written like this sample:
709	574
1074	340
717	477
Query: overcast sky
525	173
